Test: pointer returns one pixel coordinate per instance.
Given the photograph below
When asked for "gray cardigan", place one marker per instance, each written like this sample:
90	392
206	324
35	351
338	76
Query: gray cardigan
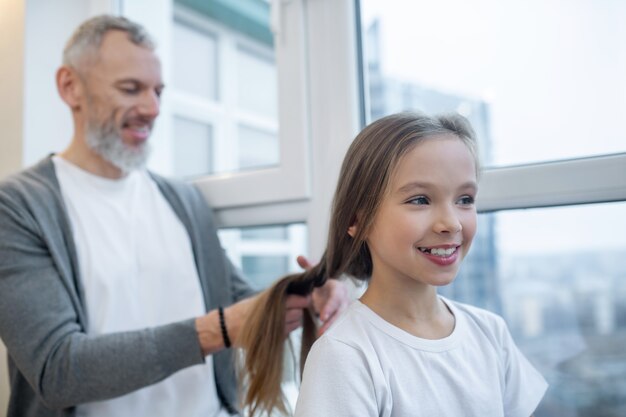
53	364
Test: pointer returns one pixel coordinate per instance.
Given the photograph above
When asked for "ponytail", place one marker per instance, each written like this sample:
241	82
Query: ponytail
262	339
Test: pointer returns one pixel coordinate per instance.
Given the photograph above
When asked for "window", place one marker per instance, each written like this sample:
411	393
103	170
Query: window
528	74
234	118
265	253
559	283
542	85
225	80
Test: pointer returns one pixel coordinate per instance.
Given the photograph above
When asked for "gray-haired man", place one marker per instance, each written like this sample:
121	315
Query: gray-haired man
112	278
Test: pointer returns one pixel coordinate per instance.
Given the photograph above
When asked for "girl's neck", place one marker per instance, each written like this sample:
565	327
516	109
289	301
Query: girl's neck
419	312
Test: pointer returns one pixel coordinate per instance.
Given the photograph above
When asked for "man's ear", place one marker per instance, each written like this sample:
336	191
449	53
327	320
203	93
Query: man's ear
70	86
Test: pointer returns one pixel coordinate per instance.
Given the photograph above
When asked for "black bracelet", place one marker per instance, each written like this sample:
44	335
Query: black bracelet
220	310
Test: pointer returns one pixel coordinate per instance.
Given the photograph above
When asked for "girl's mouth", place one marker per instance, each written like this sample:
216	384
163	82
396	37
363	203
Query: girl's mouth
441	256
444	253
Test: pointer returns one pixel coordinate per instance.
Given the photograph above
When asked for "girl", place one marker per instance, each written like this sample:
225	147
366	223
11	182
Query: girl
403	219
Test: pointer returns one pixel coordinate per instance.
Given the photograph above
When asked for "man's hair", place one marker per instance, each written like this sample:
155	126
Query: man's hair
86	40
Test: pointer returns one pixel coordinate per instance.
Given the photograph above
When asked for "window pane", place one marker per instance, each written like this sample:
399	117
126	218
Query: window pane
265	233
194	61
542	80
257	83
224	73
263	270
257	148
558	277
193	148
265	253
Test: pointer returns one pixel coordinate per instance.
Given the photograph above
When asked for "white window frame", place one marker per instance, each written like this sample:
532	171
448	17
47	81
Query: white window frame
290	180
319	101
588	180
222	114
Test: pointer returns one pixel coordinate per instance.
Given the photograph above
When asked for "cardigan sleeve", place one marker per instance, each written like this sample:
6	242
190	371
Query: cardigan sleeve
42	330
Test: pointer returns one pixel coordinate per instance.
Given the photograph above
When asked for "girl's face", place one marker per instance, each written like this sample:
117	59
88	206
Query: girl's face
427	219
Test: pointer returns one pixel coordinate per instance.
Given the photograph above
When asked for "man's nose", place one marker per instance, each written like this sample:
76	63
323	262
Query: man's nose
150	104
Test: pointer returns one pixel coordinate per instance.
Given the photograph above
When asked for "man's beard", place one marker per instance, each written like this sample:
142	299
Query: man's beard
104	140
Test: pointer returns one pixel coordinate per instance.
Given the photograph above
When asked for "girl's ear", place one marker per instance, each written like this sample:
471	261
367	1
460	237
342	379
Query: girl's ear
352	230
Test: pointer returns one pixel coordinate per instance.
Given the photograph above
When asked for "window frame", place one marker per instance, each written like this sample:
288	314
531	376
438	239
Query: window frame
287	181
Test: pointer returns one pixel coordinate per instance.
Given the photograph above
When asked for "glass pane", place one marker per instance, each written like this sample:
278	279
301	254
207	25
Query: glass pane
263	270
257	148
541	80
224	72
193	148
558	277
257	83
264	233
196	72
265	253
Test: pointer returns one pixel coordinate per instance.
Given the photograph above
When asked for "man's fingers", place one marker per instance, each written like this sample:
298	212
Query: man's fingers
326	324
297	301
303	262
293	320
331	307
290	327
293	315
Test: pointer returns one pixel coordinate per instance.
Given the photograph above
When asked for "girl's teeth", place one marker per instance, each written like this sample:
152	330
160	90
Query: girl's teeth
439	251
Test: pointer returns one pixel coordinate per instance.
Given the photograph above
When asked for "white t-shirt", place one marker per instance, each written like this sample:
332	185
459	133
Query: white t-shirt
363	366
138	271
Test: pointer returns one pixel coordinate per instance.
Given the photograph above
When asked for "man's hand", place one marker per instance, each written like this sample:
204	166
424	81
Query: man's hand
210	332
293	311
329	300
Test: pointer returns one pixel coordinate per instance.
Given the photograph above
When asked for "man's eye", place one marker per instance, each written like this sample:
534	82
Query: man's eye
419	200
129	90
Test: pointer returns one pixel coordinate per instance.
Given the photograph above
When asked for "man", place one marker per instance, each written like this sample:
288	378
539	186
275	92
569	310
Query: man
107	271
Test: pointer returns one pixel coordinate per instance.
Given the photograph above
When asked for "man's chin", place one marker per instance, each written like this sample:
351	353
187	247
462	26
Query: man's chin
131	159
125	157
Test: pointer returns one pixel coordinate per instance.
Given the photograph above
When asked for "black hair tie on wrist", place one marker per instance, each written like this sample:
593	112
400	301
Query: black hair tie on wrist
220	311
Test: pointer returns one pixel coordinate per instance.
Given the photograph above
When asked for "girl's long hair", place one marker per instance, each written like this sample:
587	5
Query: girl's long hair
263	341
365	174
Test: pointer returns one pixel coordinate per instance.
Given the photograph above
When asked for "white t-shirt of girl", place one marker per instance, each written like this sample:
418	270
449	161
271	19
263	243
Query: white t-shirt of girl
363	366
138	271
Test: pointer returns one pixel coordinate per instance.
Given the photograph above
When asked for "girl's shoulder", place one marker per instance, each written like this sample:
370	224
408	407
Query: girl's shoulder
480	322
350	324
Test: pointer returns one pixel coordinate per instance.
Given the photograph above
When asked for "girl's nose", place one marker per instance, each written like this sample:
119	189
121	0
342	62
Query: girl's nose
447	222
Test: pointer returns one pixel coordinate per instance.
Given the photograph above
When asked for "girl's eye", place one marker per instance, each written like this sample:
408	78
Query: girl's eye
466	200
419	200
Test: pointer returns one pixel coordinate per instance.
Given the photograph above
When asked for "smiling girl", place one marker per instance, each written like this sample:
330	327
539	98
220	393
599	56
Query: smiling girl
403	219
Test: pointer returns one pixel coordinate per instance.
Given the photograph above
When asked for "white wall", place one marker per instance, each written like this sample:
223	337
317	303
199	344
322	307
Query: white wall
47	121
11	46
11	68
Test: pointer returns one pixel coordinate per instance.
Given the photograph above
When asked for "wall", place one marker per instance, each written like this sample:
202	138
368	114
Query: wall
11	45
